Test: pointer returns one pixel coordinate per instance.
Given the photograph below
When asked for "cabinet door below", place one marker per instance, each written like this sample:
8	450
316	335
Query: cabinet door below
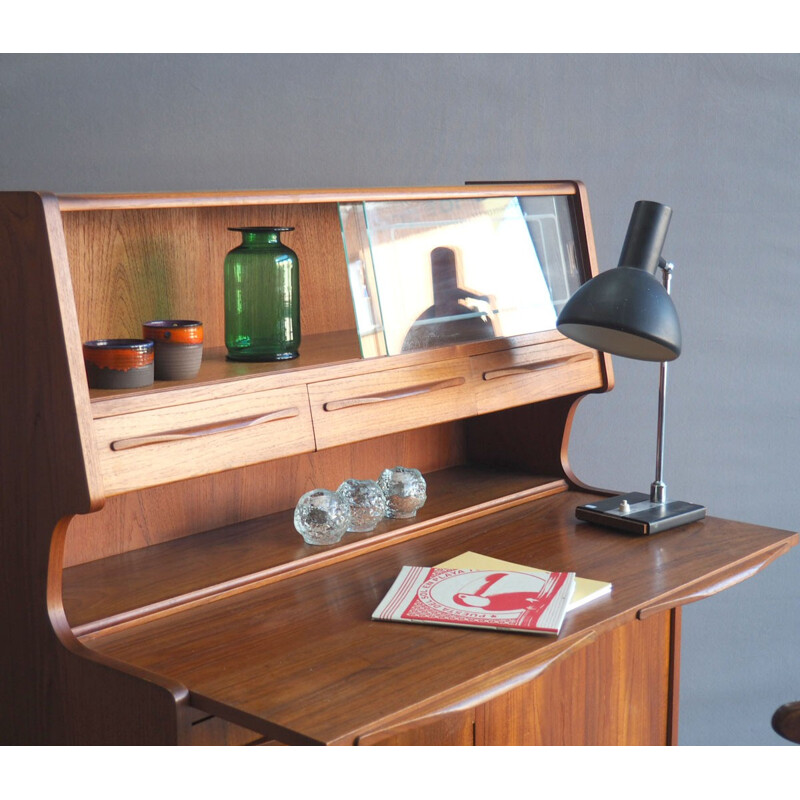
615	691
455	728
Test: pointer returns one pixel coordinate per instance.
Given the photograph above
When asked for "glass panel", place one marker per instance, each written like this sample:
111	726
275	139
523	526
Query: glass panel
428	273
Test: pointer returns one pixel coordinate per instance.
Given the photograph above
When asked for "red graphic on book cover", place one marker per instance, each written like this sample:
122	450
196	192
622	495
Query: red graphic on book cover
497	599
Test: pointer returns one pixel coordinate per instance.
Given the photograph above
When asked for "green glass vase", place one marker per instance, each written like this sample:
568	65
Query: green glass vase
262	297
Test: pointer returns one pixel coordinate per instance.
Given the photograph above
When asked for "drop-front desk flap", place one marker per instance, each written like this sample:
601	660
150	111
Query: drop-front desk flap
301	660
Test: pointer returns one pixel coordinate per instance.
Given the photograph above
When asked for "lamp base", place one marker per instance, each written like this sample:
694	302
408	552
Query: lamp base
634	513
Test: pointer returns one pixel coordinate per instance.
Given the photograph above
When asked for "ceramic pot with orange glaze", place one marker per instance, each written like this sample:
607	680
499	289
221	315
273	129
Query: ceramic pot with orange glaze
118	363
178	347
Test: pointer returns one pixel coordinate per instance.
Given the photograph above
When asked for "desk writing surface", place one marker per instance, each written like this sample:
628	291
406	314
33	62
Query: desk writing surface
302	659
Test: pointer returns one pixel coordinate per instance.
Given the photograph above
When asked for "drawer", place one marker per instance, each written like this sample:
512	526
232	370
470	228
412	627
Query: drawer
364	406
524	375
150	448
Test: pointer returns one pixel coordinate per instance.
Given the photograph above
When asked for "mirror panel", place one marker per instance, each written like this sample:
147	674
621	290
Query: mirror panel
430	273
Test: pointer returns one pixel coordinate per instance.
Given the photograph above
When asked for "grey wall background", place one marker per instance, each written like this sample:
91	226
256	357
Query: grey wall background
714	136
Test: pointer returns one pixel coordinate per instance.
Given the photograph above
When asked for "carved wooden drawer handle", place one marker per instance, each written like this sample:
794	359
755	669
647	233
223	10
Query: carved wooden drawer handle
204	430
526	369
724	580
397	394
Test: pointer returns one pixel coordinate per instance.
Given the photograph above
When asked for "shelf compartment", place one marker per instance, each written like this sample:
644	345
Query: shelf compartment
219	377
152	581
330	355
136	264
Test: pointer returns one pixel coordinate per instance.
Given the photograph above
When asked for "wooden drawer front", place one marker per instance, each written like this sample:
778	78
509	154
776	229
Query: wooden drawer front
530	374
351	409
150	448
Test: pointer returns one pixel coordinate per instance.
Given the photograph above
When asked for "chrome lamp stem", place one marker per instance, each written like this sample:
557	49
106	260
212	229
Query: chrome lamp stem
658	489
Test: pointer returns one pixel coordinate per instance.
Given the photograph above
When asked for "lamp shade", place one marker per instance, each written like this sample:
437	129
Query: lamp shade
627	311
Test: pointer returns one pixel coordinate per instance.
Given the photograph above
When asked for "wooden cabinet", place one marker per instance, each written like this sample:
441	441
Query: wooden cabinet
153	587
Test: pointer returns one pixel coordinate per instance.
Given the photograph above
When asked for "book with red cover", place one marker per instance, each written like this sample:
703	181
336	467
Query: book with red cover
495	599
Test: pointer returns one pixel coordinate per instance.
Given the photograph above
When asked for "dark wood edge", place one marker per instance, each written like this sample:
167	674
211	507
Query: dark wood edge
268	730
86	202
711	585
674	687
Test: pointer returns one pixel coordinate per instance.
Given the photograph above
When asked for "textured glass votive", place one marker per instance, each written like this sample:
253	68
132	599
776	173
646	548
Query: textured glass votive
367	504
405	491
321	516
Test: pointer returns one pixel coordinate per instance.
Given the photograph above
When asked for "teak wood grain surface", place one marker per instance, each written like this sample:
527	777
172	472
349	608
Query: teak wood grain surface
153	588
302	661
151	580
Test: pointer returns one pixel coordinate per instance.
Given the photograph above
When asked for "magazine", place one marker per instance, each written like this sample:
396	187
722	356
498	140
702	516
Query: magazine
528	602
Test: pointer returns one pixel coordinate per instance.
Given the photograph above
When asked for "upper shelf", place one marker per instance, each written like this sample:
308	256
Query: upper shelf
107	202
331	355
134	258
338	347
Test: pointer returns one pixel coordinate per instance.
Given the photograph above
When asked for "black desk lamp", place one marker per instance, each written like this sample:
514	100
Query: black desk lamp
628	312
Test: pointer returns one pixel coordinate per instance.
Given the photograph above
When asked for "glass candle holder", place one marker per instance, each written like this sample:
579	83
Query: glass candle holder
367	504
405	491
321	516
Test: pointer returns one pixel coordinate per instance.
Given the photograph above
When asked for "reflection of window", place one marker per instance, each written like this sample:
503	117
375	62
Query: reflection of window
495	269
550	223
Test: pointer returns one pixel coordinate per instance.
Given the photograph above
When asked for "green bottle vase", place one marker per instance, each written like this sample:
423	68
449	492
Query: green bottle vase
262	297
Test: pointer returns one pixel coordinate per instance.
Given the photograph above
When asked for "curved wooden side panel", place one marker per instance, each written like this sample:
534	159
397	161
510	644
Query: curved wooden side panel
101	701
50	692
499	439
494	437
45	397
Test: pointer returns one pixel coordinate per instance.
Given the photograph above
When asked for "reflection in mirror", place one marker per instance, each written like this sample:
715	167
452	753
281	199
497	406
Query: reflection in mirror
429	273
